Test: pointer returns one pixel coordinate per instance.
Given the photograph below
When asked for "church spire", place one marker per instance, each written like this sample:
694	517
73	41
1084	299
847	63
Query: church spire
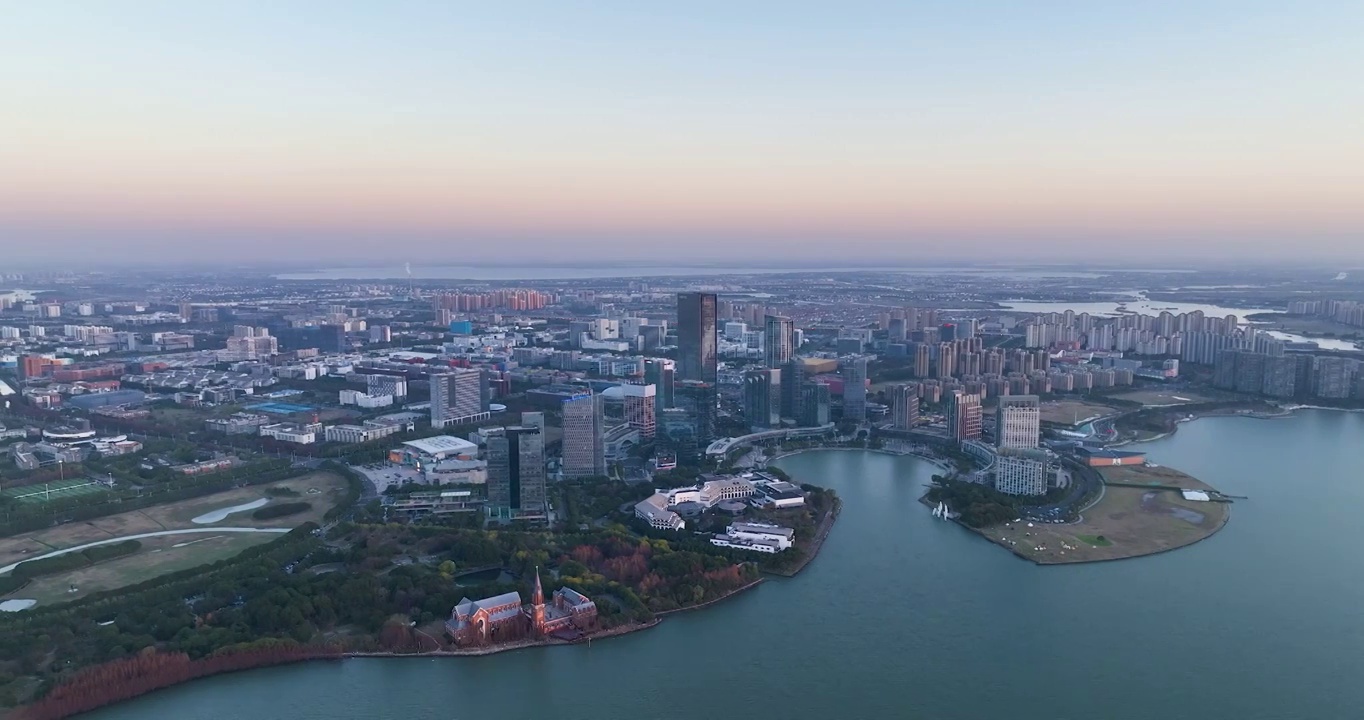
538	597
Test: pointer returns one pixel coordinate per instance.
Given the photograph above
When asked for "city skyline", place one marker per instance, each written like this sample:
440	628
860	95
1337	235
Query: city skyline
216	132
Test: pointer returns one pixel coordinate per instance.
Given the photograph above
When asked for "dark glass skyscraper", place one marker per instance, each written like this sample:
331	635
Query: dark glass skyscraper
696	337
516	473
778	341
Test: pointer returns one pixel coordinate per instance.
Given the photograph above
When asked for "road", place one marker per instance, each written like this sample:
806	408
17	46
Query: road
160	533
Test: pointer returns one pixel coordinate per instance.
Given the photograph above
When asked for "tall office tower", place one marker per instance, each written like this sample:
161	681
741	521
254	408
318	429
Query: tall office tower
762	398
963	416
921	358
855	388
947	332
904	405
792	379
897	330
778	341
966	329
640	409
457	396
516	473
814	404
583	431
659	372
333	339
696	341
911	319
698	398
1018	421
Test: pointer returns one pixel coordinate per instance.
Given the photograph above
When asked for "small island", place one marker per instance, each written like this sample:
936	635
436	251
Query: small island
1085	498
1143	510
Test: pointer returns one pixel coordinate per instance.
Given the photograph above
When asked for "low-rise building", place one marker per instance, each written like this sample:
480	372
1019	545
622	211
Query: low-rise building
758	537
432	449
654	510
238	423
296	433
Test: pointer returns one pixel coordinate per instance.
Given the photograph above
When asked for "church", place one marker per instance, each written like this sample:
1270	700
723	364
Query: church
504	618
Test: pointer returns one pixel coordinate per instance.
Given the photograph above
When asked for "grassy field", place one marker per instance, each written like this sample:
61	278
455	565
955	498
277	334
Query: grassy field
1151	476
1073	412
1127	522
159	555
39	493
1160	398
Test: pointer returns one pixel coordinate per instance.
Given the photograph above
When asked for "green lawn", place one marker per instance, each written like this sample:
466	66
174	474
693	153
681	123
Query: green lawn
1095	540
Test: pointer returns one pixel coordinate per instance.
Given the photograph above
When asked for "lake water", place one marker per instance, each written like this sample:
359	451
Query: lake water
1136	304
904	616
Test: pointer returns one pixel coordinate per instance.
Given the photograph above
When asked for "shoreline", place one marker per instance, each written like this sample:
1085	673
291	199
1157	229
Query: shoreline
23	713
1284	411
826	524
1226	518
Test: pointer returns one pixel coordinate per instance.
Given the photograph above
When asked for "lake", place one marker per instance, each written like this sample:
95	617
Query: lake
905	616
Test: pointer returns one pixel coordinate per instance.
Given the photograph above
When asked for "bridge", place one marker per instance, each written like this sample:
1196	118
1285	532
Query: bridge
720	448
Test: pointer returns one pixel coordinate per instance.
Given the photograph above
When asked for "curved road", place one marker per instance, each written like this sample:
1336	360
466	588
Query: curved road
160	533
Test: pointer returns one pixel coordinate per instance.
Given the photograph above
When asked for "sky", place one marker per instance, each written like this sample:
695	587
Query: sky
326	133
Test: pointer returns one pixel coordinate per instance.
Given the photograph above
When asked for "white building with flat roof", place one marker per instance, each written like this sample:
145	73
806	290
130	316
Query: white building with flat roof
440	447
758	537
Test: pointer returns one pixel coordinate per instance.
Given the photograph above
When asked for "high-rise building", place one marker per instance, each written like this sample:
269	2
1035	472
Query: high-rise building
699	399
921	358
947	360
762	398
1250	372
516	473
660	372
458	396
814	404
1018	421
1332	377
904	405
583	452
855	388
963	416
792	382
778	341
1281	376
640	409
333	339
696	340
1021	471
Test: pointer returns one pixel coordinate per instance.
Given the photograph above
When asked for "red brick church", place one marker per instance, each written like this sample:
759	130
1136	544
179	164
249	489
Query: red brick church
504	618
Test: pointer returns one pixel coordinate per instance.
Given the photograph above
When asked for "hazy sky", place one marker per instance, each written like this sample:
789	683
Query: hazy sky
578	131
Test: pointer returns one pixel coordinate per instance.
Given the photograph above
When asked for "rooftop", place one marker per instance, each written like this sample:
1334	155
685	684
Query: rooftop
442	444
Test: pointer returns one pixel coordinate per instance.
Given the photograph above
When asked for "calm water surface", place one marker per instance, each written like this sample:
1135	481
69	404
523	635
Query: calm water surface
907	617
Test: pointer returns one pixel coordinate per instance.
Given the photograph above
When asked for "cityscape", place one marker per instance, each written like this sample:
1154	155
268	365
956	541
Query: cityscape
872	360
313	420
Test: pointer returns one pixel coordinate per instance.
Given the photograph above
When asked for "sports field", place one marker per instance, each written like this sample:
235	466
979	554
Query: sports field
42	492
280	408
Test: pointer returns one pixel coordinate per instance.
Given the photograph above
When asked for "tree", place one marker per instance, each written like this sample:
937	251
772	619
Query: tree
447	569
